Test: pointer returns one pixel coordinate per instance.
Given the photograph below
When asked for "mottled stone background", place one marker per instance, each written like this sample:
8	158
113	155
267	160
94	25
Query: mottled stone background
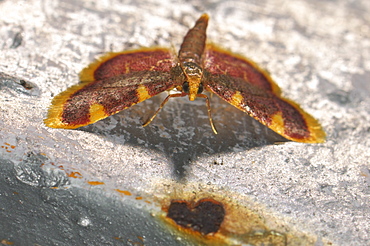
317	51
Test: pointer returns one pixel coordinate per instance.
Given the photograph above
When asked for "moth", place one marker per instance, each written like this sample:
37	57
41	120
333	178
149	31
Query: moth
118	80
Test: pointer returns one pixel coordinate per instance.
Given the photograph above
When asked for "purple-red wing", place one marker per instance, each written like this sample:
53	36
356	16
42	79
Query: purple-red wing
114	94
249	88
156	59
219	61
112	83
260	104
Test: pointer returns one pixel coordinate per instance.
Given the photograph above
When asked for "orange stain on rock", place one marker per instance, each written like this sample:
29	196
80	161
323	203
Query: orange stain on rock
6	242
95	182
124	192
75	175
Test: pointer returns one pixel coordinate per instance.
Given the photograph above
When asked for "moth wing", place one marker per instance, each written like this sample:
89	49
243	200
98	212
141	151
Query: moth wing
244	85
117	63
86	103
112	83
220	61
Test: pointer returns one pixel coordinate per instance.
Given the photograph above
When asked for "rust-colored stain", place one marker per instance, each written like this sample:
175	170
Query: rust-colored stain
95	182
75	175
6	242
215	217
124	192
130	241
71	174
139	198
205	216
8	147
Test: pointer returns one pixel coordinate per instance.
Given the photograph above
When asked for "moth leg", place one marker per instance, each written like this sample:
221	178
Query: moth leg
161	106
209	111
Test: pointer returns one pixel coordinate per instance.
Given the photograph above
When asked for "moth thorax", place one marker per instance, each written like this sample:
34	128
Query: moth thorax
194	74
192	69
